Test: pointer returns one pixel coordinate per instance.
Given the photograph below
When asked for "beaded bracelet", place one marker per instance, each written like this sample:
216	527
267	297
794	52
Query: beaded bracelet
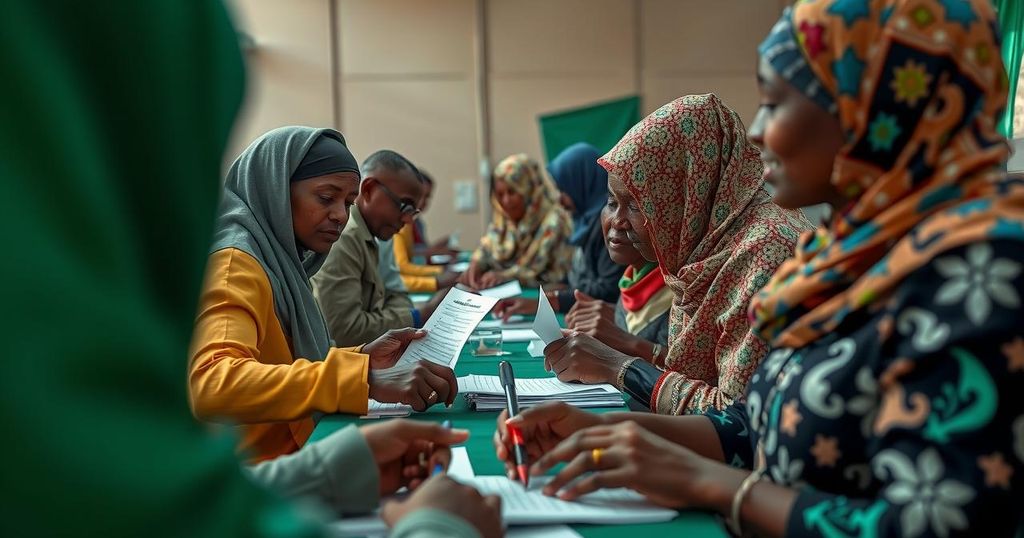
620	380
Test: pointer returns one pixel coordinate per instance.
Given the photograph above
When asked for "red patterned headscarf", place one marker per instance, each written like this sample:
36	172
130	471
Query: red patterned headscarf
917	87
716	232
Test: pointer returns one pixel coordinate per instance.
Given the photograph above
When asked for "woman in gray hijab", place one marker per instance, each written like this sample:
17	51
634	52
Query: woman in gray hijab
261	355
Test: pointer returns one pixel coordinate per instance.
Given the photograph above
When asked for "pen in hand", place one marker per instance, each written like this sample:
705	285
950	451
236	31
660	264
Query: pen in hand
508	382
438	468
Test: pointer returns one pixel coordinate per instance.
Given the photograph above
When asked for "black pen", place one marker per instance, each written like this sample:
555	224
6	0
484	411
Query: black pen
508	382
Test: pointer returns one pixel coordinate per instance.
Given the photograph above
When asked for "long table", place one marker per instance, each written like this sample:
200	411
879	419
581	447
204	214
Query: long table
691	524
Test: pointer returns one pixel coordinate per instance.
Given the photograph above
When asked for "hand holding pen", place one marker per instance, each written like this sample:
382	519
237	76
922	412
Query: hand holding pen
508	382
398	446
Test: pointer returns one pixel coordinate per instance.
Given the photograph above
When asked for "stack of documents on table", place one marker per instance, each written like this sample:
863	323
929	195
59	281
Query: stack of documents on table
377	409
486	394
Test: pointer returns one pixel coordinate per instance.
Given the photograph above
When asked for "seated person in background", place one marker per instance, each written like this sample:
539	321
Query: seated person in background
261	355
719	237
416	235
891	402
584	189
419	278
637	324
123	286
356	303
528	238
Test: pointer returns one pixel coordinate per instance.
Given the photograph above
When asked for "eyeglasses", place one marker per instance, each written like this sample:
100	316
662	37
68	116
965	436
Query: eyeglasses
404	206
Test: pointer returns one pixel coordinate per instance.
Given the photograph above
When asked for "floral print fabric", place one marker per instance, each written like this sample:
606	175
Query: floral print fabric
908	420
718	237
536	249
917	87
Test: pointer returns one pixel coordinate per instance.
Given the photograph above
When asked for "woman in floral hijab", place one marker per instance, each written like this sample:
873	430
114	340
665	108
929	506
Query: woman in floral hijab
891	404
528	238
704	216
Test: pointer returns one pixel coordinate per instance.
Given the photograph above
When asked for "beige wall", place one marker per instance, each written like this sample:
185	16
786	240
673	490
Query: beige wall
450	83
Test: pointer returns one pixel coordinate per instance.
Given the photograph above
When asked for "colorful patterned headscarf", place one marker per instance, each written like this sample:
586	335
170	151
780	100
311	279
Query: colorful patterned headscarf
537	245
718	238
917	87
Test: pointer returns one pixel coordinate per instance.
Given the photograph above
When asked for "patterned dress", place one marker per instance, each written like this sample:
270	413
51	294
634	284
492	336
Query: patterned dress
536	249
908	420
718	237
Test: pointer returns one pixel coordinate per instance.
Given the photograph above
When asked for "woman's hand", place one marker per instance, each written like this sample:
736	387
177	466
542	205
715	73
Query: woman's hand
543	427
471	277
491	279
397	446
507	308
385	351
587	307
583	358
631	457
444	494
420	385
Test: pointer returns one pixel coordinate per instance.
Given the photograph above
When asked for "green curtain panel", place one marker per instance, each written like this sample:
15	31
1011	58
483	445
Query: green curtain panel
1011	20
601	125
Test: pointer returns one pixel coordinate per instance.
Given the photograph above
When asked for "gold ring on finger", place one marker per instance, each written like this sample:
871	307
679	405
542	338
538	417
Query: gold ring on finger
595	456
433	396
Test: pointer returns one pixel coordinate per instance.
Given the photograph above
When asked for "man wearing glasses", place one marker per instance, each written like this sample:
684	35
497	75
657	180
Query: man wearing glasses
356	303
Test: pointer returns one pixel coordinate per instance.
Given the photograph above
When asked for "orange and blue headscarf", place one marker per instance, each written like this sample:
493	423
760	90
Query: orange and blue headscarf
917	87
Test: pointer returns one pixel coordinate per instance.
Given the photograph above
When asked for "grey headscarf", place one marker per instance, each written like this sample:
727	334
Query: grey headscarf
255	217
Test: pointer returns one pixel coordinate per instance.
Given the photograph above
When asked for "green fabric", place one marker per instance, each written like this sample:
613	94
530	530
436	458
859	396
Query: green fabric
1011	21
114	121
481	450
627	282
600	125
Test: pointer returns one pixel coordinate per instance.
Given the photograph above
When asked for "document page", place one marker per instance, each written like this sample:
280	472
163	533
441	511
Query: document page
503	291
448	328
521	506
545	324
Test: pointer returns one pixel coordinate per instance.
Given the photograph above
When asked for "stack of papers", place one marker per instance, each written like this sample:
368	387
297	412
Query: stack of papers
377	409
486	394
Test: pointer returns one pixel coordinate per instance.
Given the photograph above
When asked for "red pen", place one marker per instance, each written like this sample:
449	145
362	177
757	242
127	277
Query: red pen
508	382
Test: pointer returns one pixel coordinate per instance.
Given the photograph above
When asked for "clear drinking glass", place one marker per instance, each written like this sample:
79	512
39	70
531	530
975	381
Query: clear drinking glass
486	342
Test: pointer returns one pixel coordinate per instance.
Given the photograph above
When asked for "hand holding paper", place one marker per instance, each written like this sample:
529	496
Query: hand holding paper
448	328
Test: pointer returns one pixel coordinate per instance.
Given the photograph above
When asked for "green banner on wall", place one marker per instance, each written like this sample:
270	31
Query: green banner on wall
1011	21
601	125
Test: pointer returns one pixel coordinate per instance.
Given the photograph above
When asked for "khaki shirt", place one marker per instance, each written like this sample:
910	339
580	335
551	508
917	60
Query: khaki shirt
357	305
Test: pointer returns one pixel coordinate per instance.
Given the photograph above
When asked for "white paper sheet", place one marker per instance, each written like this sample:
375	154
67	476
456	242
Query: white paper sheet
546	324
373	527
542	386
515	321
518	335
503	291
460	467
459	267
531	507
377	409
536	348
448	328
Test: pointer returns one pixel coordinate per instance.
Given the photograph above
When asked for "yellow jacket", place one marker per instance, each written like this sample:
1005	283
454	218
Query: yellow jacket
242	370
417	278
